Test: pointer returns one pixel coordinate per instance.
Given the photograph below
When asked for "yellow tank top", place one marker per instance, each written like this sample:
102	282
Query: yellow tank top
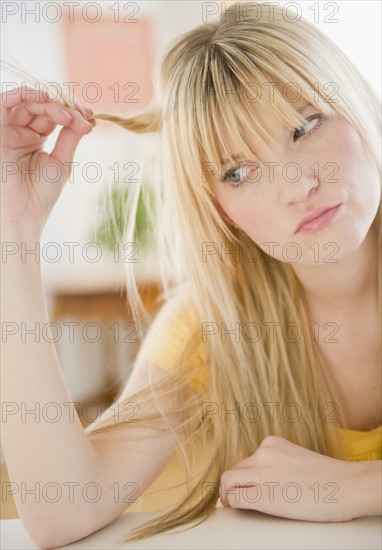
164	346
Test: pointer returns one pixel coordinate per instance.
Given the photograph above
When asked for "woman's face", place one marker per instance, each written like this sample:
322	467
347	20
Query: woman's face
323	165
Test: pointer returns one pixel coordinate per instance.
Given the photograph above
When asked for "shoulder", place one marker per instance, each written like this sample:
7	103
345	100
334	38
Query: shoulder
174	338
178	316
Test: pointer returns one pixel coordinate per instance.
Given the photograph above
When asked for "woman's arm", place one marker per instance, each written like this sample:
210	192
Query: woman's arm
37	451
67	483
370	488
286	480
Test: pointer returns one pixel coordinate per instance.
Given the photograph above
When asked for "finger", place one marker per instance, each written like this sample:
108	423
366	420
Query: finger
249	497
86	112
17	96
80	109
79	123
243	486
19	138
24	114
232	479
89	114
66	145
60	115
43	125
21	152
64	116
21	115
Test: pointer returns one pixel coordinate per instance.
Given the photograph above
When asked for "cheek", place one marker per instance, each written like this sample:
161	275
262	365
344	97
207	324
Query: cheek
261	222
348	154
344	143
362	176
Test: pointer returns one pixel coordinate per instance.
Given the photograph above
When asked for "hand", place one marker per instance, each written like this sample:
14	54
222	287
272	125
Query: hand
286	480
32	180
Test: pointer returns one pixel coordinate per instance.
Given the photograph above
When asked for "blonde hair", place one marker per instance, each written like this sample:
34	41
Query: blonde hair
189	114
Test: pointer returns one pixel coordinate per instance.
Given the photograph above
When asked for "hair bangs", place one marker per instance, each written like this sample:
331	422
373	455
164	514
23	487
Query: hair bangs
233	83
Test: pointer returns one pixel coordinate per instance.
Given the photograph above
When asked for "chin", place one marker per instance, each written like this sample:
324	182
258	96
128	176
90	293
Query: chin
331	247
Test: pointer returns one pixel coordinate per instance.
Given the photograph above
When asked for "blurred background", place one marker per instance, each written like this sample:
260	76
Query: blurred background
105	54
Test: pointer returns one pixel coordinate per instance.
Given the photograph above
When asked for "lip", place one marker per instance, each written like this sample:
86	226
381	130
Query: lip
318	219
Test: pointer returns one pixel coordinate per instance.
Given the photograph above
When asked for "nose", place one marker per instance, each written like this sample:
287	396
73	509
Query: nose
297	182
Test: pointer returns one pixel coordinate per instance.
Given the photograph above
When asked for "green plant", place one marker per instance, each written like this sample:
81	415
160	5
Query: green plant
111	226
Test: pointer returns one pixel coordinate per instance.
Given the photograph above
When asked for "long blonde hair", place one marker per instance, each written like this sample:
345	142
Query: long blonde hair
188	115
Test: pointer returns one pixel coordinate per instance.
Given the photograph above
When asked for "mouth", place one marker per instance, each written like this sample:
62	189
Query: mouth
318	219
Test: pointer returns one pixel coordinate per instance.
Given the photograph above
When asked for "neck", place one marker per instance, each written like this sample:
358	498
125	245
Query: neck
350	283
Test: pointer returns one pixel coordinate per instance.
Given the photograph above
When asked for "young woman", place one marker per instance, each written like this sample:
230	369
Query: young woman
265	358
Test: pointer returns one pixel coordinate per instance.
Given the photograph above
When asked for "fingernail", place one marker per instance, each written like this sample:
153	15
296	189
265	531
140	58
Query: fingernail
66	114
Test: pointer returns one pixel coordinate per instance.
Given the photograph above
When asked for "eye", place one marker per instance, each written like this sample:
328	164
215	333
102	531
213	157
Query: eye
239	174
313	123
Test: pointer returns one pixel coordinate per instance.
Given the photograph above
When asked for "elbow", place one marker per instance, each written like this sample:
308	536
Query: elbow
44	539
48	539
47	535
43	543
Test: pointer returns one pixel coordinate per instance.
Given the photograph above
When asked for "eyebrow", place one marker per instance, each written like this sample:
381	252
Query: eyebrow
234	157
303	106
238	157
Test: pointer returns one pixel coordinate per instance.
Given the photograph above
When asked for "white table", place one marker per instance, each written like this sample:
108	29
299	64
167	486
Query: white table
227	529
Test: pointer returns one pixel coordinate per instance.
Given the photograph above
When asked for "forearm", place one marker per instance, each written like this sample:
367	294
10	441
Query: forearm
37	450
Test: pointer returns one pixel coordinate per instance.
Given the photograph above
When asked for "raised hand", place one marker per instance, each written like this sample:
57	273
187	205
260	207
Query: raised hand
32	179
